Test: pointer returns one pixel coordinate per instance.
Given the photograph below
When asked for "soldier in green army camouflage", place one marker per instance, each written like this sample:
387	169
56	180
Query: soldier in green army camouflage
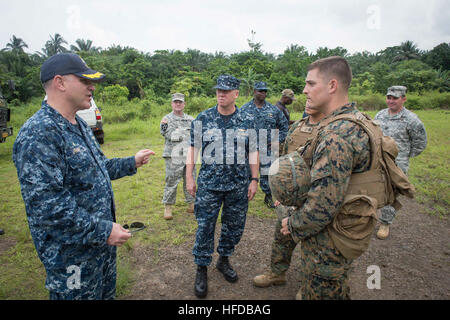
408	132
175	127
283	245
342	149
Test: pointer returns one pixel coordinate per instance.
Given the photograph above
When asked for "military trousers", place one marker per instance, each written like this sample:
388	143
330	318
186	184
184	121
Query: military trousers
282	248
234	204
175	171
388	213
94	279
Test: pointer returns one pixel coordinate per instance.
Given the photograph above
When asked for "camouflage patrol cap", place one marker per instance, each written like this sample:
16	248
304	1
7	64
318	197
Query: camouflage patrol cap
227	82
290	179
396	91
288	93
260	85
178	97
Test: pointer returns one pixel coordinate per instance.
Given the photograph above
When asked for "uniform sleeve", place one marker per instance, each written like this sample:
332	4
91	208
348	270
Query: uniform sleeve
283	125
166	129
330	174
417	136
50	206
121	167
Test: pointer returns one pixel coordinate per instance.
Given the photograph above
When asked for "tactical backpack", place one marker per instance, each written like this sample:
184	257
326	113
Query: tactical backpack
352	227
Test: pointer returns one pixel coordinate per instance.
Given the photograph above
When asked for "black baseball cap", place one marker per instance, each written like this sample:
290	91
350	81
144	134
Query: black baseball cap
68	63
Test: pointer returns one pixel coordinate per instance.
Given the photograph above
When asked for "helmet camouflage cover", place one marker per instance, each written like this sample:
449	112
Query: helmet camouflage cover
290	179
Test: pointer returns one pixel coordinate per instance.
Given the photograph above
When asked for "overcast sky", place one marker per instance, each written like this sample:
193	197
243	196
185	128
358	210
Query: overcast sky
226	25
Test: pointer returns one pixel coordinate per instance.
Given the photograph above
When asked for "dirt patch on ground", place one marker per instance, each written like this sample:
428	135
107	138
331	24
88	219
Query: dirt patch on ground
414	264
6	243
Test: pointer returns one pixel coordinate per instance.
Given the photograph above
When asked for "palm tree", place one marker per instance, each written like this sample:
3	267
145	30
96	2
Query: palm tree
53	46
407	51
84	45
15	44
249	81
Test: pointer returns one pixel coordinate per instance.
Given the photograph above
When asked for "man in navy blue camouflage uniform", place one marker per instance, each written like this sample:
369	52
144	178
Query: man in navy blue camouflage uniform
271	119
227	178
65	182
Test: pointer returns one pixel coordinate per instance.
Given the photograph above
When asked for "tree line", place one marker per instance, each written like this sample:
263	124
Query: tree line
192	72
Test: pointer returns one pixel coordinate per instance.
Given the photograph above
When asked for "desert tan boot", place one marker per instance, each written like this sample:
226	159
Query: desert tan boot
269	278
190	209
298	296
168	212
383	232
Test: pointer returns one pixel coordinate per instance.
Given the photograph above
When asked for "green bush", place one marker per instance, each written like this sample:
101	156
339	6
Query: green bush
114	94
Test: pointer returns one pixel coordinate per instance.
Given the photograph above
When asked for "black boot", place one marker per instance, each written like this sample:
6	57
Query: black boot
201	282
268	201
2	232
223	265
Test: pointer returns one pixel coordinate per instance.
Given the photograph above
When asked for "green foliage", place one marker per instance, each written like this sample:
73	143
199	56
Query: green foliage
154	76
114	94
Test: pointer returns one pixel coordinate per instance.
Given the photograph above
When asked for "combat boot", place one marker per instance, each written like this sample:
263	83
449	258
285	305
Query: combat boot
201	282
190	209
2	232
168	212
223	265
269	278
269	201
383	232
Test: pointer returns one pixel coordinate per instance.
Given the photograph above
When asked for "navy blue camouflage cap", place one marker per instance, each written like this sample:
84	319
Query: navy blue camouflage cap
227	82
68	63
261	85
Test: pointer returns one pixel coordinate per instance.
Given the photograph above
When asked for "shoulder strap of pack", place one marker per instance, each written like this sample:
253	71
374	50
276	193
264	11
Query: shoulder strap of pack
360	119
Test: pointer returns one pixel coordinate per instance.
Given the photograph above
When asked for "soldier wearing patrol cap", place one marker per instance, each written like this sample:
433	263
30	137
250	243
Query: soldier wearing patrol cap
287	97
408	132
227	178
65	182
271	119
175	128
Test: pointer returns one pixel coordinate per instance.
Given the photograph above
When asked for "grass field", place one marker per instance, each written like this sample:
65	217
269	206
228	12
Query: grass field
138	198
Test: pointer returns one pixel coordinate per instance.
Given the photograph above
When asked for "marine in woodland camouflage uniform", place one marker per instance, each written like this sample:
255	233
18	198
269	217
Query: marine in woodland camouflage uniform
65	182
283	245
287	97
408	132
176	131
342	149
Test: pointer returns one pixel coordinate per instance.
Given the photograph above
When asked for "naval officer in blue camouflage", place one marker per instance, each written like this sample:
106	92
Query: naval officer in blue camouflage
227	178
272	120
65	182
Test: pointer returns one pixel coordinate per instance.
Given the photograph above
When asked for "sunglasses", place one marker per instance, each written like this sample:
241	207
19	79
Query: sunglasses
134	227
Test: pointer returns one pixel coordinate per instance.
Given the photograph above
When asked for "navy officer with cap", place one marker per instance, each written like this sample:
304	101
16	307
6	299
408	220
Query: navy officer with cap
269	119
65	182
227	178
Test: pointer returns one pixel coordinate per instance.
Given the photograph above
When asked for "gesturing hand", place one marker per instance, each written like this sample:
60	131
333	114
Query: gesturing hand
142	157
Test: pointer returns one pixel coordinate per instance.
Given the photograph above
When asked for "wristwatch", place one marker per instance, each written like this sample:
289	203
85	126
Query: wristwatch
256	179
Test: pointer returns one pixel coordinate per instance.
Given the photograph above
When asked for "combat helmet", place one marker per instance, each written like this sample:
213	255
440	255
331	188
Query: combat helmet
290	179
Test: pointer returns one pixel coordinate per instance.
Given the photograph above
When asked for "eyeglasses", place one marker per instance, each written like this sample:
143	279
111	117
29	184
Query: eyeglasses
134	227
